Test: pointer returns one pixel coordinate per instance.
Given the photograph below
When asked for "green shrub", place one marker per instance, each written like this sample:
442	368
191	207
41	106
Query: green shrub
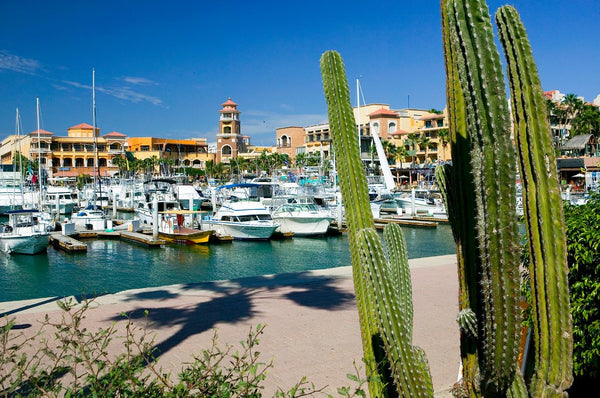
66	359
583	242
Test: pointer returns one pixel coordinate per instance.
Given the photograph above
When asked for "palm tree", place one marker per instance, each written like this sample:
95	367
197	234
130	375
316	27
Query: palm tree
412	140
120	162
587	121
444	137
425	144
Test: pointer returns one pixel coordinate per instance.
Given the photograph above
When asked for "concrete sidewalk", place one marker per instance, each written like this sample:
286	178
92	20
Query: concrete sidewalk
311	317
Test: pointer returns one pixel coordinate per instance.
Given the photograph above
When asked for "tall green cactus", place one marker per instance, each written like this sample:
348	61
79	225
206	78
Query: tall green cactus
383	289
482	145
543	211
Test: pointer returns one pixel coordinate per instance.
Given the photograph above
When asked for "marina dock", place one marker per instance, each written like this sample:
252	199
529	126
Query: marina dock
66	242
137	237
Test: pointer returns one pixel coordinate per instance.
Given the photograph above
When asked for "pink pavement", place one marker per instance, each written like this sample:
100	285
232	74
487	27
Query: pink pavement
312	321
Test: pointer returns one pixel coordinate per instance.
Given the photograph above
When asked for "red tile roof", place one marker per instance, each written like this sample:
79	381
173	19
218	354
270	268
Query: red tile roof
399	132
82	126
115	134
228	103
383	112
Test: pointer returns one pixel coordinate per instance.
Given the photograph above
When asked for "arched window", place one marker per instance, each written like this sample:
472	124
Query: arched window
79	162
90	162
376	127
55	162
285	141
102	162
186	162
67	162
391	127
226	150
197	162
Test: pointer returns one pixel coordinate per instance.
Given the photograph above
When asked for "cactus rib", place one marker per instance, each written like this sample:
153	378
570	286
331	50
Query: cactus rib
492	163
543	210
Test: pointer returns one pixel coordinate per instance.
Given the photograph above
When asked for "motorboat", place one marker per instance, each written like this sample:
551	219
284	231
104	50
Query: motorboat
59	198
24	233
242	219
186	193
421	201
173	227
92	217
302	219
161	192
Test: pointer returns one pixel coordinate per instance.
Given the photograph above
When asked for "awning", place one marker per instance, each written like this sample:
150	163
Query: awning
578	142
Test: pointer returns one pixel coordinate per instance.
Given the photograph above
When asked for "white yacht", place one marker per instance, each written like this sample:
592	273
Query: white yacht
242	220
24	233
302	219
160	190
61	198
91	218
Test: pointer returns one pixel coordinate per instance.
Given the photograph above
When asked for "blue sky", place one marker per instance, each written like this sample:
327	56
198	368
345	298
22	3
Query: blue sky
163	68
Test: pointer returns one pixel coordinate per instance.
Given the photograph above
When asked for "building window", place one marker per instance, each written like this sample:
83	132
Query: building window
101	148
428	124
392	127
227	130
67	162
90	162
440	123
226	150
79	162
145	148
102	162
77	147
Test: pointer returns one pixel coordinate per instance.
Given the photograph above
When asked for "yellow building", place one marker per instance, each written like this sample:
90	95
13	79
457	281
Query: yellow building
68	156
188	153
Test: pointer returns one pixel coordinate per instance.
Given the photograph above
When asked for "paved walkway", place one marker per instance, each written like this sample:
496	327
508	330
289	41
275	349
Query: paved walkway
311	317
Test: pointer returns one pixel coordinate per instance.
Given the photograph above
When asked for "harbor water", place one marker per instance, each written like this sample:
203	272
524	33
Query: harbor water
111	266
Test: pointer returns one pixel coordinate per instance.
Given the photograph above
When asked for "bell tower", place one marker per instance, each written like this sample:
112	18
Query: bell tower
230	141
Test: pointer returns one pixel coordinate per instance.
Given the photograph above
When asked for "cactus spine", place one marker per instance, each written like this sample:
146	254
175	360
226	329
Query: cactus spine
542	205
489	253
382	287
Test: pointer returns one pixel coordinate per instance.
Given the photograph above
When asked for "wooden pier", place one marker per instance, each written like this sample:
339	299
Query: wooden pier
145	239
67	243
406	222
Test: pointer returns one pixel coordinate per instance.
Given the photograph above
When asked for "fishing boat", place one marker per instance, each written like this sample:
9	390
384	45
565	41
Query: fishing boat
24	233
172	227
241	219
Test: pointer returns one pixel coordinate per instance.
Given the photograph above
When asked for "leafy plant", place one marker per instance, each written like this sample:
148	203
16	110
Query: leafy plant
583	243
64	358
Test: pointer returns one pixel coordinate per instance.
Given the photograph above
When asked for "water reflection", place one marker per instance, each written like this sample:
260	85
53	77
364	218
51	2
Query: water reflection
114	265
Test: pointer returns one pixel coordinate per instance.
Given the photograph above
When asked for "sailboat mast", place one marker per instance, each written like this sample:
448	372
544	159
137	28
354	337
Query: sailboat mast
358	113
37	102
94	132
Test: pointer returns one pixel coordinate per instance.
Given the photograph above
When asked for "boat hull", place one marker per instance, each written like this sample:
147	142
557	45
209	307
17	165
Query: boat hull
303	226
24	244
243	231
186	235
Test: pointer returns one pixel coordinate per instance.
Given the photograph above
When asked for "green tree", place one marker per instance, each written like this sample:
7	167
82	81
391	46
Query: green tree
583	245
587	121
444	137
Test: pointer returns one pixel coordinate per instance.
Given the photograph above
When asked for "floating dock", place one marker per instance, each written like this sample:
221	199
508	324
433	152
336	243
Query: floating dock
406	222
145	239
67	243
